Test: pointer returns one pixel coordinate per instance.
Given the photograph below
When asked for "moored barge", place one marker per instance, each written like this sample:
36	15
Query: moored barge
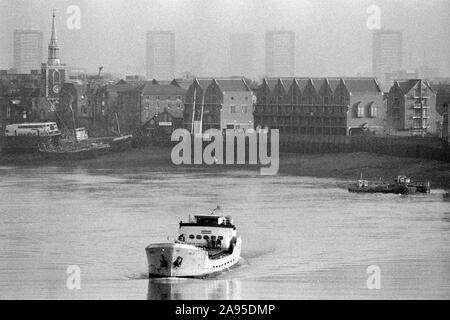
401	185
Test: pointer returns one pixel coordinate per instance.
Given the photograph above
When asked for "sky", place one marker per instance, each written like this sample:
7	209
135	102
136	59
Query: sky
332	38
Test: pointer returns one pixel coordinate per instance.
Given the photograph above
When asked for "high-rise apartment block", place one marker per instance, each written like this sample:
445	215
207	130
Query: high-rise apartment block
280	53
27	50
161	55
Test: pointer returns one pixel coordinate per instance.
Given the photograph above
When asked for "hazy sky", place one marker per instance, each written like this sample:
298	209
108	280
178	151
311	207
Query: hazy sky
331	35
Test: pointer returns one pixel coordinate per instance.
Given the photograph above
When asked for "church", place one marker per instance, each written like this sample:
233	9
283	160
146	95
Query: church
53	73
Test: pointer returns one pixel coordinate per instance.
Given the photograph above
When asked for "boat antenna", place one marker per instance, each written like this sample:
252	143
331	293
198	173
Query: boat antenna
218	208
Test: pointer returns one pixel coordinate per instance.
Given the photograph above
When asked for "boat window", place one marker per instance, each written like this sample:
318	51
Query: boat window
213	237
199	237
191	236
220	238
206	237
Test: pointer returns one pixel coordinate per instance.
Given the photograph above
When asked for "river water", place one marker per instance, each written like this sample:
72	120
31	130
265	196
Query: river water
303	238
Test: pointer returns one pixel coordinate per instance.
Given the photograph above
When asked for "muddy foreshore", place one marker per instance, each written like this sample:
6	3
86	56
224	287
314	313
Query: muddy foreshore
346	166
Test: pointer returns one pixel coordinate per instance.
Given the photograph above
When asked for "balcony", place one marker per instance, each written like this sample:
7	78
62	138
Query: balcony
419	106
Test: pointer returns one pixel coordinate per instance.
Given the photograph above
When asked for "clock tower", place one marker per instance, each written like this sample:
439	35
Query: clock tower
53	72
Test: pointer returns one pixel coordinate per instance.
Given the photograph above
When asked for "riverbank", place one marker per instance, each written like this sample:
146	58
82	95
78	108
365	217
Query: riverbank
345	166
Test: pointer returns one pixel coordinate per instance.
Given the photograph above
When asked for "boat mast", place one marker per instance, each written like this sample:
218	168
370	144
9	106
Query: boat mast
201	115
73	119
118	125
193	110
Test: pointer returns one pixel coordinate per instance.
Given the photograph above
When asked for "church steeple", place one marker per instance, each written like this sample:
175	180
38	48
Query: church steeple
53	48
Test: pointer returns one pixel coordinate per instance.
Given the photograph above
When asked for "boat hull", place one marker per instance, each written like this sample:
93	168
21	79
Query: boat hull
396	189
28	144
187	261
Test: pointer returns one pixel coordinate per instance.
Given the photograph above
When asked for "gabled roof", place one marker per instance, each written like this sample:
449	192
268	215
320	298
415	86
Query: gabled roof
271	83
353	84
407	85
334	83
204	83
302	83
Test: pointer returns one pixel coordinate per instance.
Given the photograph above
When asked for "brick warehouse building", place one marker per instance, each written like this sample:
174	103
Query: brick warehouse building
411	109
325	106
228	104
138	104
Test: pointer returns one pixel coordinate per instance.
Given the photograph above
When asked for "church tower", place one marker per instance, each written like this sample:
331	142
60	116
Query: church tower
53	72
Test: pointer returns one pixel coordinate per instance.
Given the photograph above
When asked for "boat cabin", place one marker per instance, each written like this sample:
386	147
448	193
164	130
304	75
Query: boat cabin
363	184
403	180
211	232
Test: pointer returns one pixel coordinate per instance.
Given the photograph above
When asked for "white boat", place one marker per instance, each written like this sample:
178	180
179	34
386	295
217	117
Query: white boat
206	245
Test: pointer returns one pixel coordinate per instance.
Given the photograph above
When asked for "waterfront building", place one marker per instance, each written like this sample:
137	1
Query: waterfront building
27	50
443	107
280	53
161	125
320	106
386	53
227	103
138	104
446	125
411	109
160	55
242	54
19	99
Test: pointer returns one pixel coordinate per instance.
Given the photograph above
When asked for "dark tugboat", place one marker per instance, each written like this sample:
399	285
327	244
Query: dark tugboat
401	185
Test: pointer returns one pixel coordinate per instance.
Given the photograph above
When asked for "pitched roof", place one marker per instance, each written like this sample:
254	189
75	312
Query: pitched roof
272	82
334	83
163	89
174	112
232	85
204	83
407	85
126	87
353	84
362	85
185	84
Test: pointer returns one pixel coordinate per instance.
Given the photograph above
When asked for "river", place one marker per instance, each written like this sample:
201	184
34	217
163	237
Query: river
303	238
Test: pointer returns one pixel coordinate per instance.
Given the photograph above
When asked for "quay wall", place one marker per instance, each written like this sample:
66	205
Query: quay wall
410	147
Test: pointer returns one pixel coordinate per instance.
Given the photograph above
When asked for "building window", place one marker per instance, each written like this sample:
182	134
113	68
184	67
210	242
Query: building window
358	110
56	77
8	112
233	109
372	110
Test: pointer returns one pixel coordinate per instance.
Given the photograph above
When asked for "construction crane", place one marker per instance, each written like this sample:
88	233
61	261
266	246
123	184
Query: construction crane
99	72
